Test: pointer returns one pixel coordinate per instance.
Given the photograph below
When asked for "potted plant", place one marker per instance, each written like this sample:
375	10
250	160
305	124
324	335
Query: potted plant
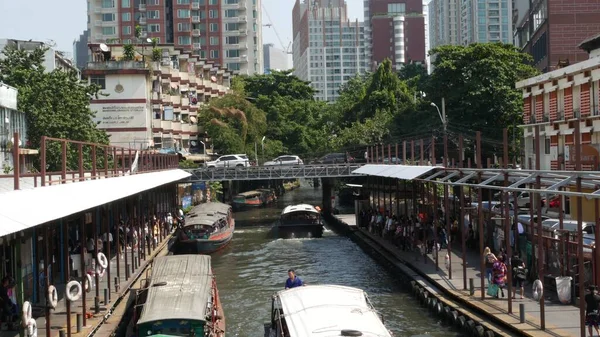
128	52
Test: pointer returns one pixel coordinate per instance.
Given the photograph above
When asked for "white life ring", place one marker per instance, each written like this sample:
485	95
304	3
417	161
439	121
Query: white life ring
100	271
102	260
52	296
88	282
73	296
26	312
31	328
447	261
538	290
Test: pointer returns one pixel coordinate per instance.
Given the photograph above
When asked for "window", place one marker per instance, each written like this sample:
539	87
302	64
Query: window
108	3
233	66
213	13
213	2
232	53
398	8
125	3
184	27
547	146
214	40
126	17
153	2
183	13
154	14
99	80
108	17
214	54
232	39
154	28
202	54
202	40
214	27
183	2
231	13
202	14
184	40
108	30
126	30
231	2
231	26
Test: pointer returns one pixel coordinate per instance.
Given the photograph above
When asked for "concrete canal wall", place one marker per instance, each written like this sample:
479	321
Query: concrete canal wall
451	310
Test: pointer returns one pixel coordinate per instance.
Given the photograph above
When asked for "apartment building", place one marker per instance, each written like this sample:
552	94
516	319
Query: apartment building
153	104
550	30
53	59
226	32
394	29
556	102
275	58
328	49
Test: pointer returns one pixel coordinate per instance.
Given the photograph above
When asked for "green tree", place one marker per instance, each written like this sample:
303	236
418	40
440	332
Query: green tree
56	105
478	84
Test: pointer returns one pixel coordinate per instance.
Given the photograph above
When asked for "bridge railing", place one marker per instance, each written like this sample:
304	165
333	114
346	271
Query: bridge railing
273	172
60	161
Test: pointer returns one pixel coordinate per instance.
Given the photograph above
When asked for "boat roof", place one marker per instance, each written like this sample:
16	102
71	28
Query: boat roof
180	288
326	310
249	193
207	213
299	208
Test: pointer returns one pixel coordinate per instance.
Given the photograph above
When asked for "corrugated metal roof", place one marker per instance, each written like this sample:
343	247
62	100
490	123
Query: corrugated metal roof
207	213
180	288
24	209
404	172
326	310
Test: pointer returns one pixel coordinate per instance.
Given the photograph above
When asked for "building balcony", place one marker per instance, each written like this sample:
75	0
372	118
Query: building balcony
166	99
185	101
196	19
196	46
184	75
166	125
174	72
195	32
142	7
176	126
176	99
240	19
185	127
195	5
142	20
116	65
156	124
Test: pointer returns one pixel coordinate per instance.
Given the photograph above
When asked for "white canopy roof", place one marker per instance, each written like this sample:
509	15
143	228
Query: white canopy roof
299	208
326	310
24	209
404	172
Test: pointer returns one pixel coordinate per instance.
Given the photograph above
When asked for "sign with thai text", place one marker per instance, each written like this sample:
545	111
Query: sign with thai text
120	116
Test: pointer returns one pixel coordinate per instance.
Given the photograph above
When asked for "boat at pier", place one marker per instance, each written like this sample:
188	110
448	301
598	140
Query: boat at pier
250	199
324	310
180	298
268	196
208	227
299	221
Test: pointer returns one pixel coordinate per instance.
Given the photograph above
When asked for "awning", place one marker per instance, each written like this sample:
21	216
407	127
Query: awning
404	172
24	209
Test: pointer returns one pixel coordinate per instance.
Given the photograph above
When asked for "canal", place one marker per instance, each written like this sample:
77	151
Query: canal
254	266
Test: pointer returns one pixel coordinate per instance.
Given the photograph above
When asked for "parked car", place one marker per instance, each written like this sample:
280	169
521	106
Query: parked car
335	158
285	161
170	150
231	160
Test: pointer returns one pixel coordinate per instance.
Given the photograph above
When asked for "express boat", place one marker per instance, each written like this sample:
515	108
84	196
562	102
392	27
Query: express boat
208	227
300	220
324	310
268	195
179	299
248	199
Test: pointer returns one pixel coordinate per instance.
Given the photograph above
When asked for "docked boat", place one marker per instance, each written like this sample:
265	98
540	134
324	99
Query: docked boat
268	196
299	221
324	310
208	227
248	199
180	298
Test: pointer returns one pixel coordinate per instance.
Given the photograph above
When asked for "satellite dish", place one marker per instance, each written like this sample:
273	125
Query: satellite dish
149	40
103	47
213	78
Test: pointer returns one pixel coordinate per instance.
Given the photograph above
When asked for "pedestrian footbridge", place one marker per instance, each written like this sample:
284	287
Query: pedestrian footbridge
275	172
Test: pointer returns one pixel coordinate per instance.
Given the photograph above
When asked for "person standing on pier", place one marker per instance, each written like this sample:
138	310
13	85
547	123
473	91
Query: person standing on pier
293	281
592	304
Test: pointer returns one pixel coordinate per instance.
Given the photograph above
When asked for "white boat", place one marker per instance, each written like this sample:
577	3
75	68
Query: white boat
300	220
324	311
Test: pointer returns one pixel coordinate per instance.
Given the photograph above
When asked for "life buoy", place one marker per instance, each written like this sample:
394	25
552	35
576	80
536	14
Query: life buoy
100	271
52	297
538	290
102	260
447	261
88	283
26	312
31	328
73	296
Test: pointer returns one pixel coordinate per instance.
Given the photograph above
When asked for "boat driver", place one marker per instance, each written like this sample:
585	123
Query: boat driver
293	281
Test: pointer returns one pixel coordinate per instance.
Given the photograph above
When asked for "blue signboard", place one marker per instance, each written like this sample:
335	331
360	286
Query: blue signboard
186	201
201	186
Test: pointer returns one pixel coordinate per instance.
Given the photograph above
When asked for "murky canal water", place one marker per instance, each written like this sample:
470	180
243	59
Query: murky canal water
254	266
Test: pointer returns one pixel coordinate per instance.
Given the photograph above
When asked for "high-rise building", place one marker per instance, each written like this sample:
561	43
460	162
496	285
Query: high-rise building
550	30
275	59
227	32
444	22
80	49
394	29
485	21
328	49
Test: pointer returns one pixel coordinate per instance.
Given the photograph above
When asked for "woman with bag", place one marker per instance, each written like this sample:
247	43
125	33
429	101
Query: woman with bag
519	274
499	275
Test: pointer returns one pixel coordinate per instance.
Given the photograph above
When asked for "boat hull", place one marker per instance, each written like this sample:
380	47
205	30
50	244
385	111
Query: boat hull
298	231
242	206
204	246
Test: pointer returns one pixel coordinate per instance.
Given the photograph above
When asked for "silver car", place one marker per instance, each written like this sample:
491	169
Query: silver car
231	160
285	161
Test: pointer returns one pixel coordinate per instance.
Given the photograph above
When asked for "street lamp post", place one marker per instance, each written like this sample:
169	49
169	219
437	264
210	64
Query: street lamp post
442	114
203	150
262	144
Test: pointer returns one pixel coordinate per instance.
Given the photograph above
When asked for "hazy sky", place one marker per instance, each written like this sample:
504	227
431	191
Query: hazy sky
62	21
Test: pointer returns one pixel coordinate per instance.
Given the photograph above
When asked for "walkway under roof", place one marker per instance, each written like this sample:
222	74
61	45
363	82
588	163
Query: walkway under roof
403	172
23	209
